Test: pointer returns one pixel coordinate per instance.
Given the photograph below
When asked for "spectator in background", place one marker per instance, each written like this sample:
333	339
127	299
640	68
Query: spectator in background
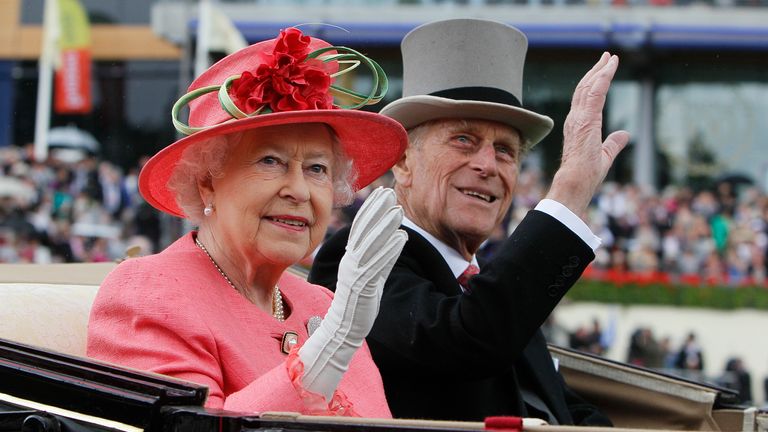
596	335
765	389
668	354
737	377
690	359
721	225
580	339
644	350
588	340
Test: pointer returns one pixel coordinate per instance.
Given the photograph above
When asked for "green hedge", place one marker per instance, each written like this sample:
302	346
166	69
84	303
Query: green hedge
715	297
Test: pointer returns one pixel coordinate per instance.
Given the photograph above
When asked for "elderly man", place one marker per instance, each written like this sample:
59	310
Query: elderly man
453	347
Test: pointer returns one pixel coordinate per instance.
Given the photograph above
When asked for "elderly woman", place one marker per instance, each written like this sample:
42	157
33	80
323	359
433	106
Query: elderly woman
270	157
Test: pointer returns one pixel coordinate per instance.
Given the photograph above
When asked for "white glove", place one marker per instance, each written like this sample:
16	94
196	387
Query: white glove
373	247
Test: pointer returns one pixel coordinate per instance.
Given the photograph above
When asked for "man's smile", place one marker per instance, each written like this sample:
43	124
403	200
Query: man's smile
479	195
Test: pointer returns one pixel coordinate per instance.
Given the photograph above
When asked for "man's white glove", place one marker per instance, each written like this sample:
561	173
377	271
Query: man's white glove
373	247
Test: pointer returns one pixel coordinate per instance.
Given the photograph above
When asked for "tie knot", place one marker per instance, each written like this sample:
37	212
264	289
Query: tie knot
468	273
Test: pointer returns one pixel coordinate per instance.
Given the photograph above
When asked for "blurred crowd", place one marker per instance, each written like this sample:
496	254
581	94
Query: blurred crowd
85	210
73	209
716	236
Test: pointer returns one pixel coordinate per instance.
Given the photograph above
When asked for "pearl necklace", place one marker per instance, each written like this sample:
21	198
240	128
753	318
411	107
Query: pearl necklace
277	298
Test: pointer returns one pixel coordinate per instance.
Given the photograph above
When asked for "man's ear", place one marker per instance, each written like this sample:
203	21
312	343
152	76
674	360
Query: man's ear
402	169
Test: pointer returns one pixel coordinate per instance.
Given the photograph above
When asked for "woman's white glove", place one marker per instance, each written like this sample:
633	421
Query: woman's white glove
373	247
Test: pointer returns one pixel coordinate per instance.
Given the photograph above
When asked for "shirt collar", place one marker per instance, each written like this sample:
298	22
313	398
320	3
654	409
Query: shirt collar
455	261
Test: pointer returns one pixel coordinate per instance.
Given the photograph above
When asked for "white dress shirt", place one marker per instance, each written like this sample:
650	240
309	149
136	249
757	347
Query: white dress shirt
455	261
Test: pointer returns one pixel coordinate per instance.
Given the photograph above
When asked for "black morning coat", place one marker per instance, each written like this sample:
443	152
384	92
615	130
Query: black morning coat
444	355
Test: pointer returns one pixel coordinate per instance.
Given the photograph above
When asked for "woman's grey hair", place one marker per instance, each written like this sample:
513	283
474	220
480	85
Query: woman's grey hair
207	158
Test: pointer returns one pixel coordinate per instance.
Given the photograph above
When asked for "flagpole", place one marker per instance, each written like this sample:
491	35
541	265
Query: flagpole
203	41
45	81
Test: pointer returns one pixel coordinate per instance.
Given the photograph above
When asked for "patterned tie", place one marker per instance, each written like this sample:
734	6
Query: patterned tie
464	277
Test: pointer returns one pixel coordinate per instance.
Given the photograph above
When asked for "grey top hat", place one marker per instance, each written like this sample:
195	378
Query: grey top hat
466	68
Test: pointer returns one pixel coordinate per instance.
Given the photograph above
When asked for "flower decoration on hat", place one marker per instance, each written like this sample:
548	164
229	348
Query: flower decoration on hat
291	82
291	79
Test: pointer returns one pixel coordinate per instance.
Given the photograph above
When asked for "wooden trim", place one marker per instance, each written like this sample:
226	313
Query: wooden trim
9	22
9	14
108	42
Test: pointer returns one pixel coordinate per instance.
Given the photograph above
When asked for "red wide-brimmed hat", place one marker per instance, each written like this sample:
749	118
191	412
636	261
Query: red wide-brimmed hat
286	80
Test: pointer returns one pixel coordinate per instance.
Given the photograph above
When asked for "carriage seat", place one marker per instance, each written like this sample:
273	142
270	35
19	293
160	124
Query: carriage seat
47	305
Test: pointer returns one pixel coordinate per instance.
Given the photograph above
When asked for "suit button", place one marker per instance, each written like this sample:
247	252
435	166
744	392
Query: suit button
553	290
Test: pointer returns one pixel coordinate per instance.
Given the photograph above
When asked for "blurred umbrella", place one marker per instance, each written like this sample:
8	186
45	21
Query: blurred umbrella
72	137
95	230
735	178
16	188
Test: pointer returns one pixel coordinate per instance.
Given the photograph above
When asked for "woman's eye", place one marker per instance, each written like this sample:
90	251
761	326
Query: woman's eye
318	169
269	160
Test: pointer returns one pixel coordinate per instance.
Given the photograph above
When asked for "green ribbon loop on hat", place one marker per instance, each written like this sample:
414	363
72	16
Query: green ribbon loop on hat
343	56
229	105
348	55
187	98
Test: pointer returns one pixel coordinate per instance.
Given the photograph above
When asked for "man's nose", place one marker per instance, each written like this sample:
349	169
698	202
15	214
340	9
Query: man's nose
295	187
484	161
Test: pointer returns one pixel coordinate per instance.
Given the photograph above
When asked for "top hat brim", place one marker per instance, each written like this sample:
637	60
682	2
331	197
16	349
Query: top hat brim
411	111
374	143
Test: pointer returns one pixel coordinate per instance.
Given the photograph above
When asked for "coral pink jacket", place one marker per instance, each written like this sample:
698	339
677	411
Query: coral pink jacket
172	313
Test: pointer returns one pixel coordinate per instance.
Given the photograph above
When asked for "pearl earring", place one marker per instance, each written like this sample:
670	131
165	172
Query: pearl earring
208	210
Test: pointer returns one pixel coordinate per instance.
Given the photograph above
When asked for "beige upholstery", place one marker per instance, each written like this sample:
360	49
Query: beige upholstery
48	305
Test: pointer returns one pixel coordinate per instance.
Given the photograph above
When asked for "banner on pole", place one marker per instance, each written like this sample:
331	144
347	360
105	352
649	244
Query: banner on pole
72	89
